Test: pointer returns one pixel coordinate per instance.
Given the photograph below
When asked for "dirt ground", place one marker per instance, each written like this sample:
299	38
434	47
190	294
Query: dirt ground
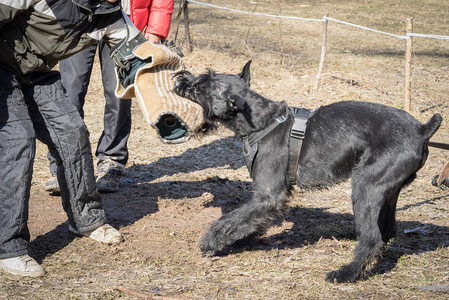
169	194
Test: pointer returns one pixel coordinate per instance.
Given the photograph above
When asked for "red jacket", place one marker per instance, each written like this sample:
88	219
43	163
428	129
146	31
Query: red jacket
152	15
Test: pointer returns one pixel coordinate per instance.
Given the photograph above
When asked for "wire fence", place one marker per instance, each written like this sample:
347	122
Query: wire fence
324	20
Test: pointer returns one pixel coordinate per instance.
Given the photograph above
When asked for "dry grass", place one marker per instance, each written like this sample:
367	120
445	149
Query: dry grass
170	194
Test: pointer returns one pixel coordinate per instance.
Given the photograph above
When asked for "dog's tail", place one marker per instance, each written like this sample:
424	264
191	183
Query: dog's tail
431	126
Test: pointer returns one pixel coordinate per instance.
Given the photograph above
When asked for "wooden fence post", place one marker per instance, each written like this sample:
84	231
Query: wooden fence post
323	53
175	23
186	26
408	67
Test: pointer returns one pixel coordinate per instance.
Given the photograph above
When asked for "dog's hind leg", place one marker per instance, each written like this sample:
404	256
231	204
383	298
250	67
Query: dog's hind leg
366	206
387	216
374	197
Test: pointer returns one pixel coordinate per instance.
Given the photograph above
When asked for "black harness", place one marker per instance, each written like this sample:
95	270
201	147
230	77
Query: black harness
297	133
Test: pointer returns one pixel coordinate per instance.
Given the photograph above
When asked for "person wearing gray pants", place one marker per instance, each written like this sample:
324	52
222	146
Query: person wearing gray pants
112	149
153	19
34	36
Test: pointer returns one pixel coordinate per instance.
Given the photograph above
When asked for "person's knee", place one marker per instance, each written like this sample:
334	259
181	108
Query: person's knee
17	144
14	130
78	131
70	132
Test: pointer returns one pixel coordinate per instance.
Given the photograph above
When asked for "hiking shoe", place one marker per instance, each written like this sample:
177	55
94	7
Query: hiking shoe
444	185
52	185
103	234
109	173
108	182
22	265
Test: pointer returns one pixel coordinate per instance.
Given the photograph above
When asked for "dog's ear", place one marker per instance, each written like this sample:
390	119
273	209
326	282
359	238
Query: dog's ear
183	84
245	74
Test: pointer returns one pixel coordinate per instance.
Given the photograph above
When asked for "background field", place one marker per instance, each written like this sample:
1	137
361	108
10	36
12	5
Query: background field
171	193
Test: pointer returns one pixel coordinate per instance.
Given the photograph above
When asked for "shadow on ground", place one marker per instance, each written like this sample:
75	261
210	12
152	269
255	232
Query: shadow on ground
139	198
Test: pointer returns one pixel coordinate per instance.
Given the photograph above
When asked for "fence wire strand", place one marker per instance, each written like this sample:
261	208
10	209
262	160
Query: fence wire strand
430	36
254	13
403	37
365	28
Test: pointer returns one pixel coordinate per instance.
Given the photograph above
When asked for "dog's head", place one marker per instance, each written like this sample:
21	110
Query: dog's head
221	96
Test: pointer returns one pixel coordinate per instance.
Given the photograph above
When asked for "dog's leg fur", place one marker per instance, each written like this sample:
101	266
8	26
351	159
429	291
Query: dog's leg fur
375	189
269	200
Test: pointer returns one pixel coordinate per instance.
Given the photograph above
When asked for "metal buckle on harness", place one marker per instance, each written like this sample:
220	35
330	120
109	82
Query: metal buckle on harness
297	134
299	128
281	119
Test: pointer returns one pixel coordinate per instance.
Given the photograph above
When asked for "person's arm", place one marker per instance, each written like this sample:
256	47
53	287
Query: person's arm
10	8
113	34
152	17
160	13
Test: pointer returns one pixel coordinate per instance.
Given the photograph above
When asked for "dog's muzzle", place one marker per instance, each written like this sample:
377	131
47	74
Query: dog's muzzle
145	70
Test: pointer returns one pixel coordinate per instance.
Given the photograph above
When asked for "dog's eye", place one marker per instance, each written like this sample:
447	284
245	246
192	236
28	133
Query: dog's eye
232	103
232	99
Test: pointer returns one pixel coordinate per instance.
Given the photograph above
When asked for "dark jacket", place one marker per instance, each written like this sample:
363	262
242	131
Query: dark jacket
35	35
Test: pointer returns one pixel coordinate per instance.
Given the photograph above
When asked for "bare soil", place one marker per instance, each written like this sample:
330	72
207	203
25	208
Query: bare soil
169	194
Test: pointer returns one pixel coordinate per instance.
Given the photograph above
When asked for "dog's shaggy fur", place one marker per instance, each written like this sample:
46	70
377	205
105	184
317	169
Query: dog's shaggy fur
380	147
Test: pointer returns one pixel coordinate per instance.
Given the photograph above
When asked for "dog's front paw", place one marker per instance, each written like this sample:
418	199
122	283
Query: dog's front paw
209	245
213	240
344	274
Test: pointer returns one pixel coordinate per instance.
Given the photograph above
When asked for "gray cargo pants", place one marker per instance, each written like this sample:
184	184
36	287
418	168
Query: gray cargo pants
34	106
75	74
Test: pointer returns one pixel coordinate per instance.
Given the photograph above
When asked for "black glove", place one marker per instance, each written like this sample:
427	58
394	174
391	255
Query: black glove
125	60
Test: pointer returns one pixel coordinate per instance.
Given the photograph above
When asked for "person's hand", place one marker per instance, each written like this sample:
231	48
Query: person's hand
154	38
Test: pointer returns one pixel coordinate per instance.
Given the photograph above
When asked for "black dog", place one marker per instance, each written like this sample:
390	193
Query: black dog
380	147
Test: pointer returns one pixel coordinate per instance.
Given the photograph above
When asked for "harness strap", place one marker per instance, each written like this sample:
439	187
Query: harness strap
257	136
250	144
297	134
